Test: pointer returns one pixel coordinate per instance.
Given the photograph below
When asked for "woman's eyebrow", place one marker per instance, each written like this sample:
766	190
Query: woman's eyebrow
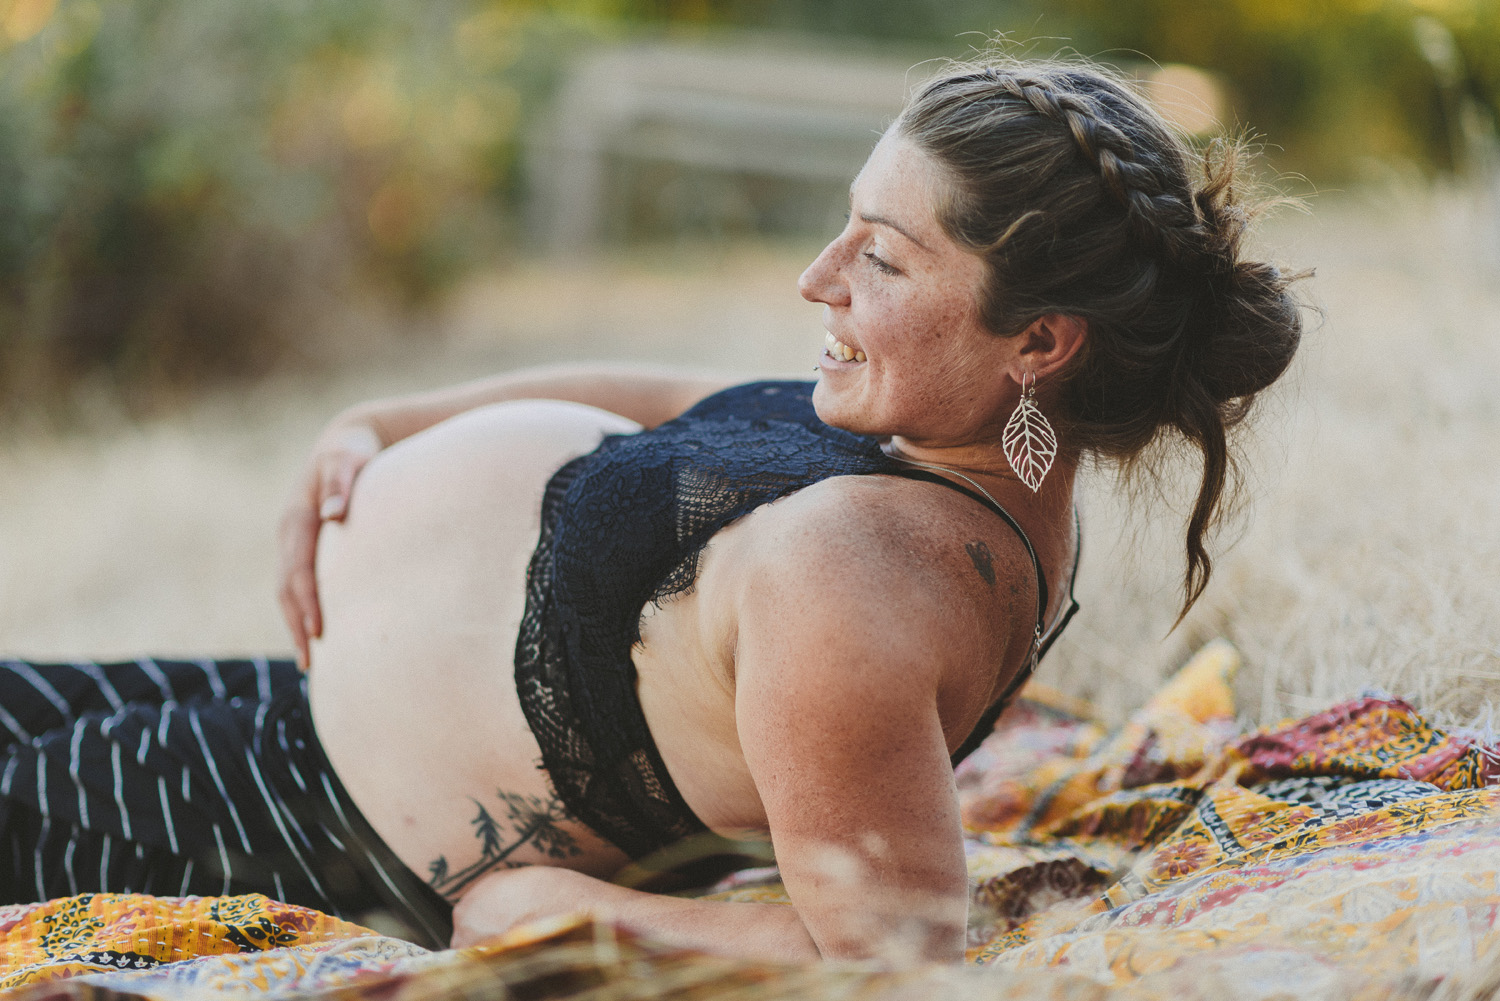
883	221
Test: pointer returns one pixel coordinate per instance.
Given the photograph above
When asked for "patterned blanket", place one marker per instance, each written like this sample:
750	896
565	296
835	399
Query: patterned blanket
1353	853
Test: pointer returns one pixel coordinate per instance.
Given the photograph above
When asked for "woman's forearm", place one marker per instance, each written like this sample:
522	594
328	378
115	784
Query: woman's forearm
647	395
512	897
745	930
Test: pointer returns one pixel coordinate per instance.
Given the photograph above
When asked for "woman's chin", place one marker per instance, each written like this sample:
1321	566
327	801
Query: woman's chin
836	409
824	403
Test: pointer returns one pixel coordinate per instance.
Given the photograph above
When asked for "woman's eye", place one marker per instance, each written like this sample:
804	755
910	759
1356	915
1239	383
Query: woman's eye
880	265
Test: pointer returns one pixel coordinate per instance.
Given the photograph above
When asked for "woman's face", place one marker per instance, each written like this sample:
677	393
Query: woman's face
904	299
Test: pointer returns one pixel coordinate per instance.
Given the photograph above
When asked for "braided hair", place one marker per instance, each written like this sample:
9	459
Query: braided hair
1082	200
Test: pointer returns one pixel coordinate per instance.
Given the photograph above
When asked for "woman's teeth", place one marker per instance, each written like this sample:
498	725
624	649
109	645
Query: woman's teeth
840	350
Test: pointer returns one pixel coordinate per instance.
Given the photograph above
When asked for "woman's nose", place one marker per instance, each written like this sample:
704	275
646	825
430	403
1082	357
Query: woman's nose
822	281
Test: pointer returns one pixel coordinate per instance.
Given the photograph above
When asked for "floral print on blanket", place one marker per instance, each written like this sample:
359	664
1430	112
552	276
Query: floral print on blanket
1353	853
108	932
1360	837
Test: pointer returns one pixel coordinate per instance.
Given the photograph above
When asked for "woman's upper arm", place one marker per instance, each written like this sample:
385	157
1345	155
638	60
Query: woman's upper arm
646	394
836	672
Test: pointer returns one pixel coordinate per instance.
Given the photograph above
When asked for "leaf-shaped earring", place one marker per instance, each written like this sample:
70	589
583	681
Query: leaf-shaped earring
1028	439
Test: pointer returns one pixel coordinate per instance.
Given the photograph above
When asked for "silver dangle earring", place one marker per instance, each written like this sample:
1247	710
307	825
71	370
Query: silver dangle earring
1029	442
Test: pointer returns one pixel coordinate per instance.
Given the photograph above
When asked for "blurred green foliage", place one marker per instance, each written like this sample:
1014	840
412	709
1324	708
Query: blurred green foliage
184	182
1332	83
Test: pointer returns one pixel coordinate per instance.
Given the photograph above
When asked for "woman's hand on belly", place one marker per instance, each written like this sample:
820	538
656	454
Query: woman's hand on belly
341	452
637	396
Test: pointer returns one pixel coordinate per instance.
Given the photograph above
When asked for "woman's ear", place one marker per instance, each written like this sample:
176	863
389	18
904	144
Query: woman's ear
1050	342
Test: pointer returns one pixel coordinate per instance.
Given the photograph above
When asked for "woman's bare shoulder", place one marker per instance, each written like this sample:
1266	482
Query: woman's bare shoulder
895	555
887	522
861	606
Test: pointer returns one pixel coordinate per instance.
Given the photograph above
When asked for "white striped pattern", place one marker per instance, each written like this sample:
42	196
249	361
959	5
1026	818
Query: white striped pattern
74	764
166	816
96	675
291	765
13	725
187	878
41	889
150	670
272	807
68	863
215	681
104	861
223	860
213	771
114	760
41	684
209	794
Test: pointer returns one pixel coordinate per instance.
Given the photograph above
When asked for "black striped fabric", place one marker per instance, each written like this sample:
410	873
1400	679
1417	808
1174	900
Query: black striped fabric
188	777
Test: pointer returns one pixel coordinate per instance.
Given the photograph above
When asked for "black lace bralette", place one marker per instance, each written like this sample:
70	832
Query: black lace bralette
625	525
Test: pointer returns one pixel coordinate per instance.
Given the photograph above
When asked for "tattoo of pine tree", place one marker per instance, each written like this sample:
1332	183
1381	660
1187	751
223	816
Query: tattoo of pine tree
529	820
486	831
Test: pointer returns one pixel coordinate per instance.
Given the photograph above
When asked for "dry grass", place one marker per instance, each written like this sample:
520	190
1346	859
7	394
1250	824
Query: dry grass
1367	557
159	536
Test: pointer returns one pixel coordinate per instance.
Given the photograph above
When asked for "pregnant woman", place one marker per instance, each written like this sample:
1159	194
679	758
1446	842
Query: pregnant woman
564	620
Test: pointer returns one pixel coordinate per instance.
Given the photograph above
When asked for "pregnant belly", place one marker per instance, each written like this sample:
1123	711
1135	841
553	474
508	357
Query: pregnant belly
412	687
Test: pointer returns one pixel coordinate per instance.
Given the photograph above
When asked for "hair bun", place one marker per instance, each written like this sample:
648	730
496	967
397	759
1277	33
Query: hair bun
1255	334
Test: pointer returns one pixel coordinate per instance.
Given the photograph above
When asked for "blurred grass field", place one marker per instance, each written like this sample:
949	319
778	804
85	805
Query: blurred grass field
1367	555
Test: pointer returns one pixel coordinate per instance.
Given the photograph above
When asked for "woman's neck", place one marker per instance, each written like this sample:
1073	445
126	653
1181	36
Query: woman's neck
986	465
1046	515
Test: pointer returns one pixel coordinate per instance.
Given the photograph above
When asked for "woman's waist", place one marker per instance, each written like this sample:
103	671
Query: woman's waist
432	745
441	763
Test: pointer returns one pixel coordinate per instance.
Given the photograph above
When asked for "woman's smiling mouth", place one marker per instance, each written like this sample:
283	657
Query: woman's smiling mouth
839	350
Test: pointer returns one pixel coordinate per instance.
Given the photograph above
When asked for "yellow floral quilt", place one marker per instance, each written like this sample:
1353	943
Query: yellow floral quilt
1352	853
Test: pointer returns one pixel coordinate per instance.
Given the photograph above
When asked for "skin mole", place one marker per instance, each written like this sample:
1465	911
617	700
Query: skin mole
979	555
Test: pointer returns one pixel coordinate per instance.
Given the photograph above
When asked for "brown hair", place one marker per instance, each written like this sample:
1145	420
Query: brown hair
1082	200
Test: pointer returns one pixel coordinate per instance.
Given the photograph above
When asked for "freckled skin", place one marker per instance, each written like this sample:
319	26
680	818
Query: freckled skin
934	374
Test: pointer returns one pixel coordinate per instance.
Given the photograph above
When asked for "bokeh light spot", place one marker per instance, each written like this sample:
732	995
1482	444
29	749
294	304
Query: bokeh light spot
375	113
24	18
1188	97
395	215
488	41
